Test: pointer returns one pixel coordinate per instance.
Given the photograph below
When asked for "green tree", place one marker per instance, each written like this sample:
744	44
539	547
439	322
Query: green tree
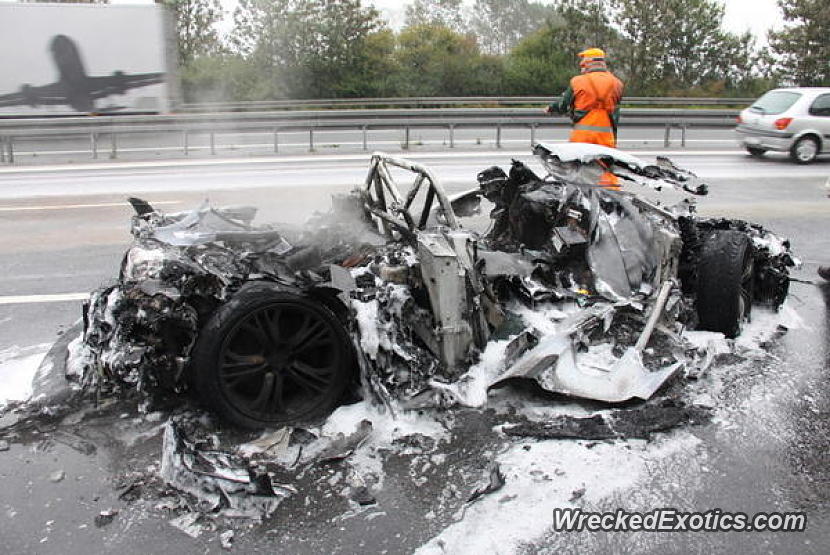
738	73
222	76
678	45
541	64
448	13
500	24
303	48
544	62
586	24
643	27
195	27
375	70
802	49
436	61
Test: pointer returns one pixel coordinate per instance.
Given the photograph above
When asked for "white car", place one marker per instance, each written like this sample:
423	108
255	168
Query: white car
794	120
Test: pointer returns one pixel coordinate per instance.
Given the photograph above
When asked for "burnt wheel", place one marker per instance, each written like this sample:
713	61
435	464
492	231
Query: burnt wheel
725	282
270	357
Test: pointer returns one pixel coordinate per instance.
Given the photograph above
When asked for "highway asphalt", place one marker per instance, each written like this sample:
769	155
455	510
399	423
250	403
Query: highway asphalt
63	230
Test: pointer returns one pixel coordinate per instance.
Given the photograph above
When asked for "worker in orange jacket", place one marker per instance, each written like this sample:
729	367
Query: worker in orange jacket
592	101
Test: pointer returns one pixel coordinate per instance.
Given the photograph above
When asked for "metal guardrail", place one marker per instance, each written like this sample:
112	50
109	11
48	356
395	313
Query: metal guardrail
373	117
420	102
275	122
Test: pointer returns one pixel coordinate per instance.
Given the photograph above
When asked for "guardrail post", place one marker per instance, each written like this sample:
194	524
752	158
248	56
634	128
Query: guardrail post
406	138
185	142
683	135
452	136
3	150
10	142
311	139
276	140
114	151
498	135
365	138
532	134
666	138
212	142
93	144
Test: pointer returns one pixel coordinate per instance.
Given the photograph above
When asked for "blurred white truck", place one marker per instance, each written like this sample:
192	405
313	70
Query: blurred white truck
69	59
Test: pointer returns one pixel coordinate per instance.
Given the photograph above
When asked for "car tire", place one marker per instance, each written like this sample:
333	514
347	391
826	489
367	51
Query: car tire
804	150
272	357
725	282
756	152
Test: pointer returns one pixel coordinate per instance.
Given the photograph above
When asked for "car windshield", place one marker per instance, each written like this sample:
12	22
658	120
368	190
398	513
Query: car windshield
775	102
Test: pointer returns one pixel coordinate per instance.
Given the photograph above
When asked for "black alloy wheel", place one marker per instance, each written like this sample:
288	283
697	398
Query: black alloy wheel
272	357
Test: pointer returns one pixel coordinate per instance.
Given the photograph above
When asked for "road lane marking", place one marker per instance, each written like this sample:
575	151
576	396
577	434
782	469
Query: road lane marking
35	299
330	158
78	206
374	144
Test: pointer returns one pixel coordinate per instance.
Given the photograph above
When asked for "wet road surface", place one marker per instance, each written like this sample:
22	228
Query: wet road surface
64	232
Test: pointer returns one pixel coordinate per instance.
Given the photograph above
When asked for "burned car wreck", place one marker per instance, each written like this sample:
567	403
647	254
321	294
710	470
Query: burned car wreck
582	288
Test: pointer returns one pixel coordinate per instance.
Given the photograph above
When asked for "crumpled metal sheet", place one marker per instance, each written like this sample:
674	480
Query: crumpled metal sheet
221	481
208	225
585	153
621	253
584	164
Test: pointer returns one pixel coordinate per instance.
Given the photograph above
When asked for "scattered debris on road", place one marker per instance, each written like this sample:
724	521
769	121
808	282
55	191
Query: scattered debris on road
495	481
222	482
577	494
636	423
105	517
343	446
362	496
226	539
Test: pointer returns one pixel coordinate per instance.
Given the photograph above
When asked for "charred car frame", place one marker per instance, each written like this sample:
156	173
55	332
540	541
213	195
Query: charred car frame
584	289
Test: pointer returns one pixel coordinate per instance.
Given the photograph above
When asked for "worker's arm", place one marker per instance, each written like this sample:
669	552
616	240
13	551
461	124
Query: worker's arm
615	115
563	105
615	118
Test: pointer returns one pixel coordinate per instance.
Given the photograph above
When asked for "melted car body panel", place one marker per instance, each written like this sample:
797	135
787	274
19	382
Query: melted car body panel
567	271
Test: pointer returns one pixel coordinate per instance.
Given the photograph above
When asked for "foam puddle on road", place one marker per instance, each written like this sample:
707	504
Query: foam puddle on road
17	369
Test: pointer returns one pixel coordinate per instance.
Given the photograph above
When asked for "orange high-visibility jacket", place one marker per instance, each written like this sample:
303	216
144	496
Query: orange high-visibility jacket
596	94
